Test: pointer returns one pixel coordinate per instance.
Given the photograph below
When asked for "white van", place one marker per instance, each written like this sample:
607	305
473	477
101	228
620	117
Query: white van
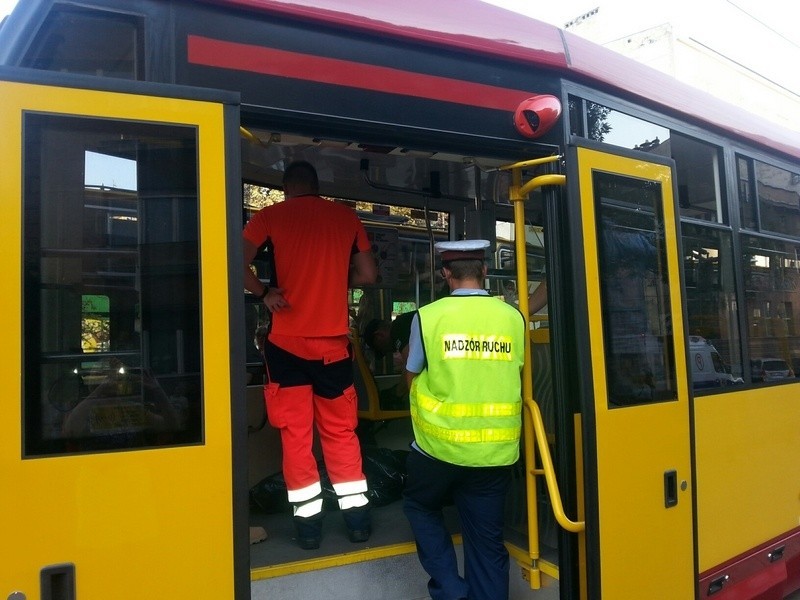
707	366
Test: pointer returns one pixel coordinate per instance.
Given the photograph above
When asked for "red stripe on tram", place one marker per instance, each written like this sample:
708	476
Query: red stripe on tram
281	63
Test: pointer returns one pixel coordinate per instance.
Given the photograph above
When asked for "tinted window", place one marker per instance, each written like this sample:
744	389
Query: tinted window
708	271
778	199
698	176
112	302
88	42
634	290
747	197
614	127
698	170
772	297
775	365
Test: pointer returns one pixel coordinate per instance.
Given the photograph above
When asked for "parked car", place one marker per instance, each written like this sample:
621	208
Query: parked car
707	367
770	369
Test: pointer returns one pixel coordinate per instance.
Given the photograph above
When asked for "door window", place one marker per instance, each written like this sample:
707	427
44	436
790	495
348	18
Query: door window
111	292
634	290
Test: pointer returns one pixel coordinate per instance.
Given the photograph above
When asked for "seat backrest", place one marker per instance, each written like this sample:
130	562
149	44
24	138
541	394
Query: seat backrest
367	391
369	400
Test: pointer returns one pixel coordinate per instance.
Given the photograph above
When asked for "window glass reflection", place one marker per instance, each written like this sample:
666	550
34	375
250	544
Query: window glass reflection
698	175
637	328
697	164
778	199
617	128
112	357
91	42
714	343
772	298
747	197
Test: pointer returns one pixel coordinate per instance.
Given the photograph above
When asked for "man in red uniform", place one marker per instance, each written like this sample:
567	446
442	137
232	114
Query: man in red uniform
316	247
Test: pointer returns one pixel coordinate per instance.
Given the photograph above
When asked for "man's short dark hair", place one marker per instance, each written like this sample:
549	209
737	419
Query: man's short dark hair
471	268
301	173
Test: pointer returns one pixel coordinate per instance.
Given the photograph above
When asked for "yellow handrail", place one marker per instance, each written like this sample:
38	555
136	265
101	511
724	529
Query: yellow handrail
535	435
549	472
246	133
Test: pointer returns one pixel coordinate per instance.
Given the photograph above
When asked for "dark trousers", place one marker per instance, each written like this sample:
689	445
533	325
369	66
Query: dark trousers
479	496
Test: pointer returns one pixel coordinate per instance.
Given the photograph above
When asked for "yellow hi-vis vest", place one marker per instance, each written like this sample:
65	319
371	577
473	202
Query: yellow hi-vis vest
466	403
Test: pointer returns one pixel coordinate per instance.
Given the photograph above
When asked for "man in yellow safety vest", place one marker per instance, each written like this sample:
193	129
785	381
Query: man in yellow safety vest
465	358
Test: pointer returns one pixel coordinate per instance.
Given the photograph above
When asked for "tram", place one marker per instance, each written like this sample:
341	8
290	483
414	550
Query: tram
662	421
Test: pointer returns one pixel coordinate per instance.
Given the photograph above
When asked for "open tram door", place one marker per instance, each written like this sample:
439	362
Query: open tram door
638	484
120	228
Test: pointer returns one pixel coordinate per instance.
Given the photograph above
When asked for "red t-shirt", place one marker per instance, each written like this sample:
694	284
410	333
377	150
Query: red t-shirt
312	240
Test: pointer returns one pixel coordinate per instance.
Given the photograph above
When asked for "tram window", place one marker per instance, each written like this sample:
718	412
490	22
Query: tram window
772	297
576	112
634	290
698	176
617	128
74	40
778	193
769	197
708	265
748	211
698	165
111	293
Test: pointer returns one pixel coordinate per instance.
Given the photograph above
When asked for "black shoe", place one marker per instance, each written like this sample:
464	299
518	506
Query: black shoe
309	531
309	543
358	523
359	535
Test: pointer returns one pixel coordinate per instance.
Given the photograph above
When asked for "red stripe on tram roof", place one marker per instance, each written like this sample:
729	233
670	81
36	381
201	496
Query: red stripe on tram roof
281	63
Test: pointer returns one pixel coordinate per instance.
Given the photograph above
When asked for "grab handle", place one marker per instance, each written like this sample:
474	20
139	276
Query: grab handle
58	582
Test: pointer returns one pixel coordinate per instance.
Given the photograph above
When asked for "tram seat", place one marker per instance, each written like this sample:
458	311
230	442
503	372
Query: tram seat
369	400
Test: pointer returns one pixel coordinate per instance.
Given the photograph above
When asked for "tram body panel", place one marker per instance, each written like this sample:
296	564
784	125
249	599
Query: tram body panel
747	484
101	519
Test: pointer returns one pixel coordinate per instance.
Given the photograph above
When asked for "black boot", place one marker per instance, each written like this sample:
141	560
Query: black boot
309	531
358	523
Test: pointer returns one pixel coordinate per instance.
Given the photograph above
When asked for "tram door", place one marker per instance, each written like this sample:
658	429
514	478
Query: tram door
116	419
638	494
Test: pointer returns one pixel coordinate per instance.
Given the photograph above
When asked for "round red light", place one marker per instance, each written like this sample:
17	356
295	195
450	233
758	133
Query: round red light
535	116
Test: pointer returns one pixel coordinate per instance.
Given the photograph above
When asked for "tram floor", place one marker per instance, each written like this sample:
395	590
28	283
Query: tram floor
389	524
389	527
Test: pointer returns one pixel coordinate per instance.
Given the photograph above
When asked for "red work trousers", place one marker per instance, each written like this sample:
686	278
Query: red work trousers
304	393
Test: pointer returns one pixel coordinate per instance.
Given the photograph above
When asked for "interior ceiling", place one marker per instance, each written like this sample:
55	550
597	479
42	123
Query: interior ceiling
364	172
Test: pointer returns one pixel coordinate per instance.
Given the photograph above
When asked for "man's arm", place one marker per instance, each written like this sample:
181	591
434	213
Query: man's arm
410	378
538	298
415	352
364	270
251	283
274	299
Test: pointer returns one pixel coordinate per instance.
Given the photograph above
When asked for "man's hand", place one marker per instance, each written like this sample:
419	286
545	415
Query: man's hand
275	301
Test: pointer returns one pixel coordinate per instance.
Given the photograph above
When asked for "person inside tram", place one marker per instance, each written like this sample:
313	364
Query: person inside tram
391	340
318	247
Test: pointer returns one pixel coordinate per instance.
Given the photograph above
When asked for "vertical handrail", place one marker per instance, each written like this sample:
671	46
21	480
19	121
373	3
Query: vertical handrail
533	433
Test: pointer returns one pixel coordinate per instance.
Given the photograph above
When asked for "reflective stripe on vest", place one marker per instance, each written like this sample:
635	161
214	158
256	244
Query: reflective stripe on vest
486	409
468	436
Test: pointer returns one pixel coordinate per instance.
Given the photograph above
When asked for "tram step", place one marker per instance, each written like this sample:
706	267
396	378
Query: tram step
393	578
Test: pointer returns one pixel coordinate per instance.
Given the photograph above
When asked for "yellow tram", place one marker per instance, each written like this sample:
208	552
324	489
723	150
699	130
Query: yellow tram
662	413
